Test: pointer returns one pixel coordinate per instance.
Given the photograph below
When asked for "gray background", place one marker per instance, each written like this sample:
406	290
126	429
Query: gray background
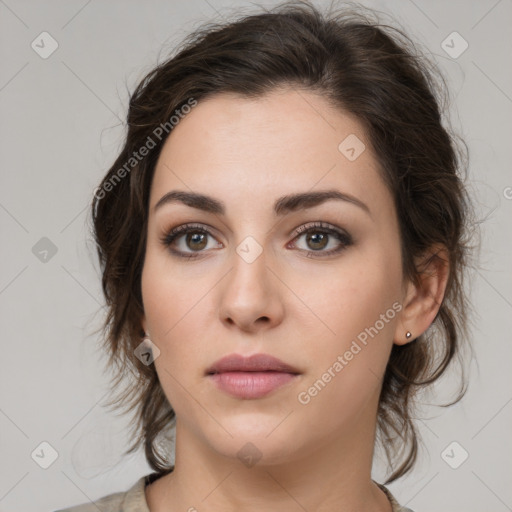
60	129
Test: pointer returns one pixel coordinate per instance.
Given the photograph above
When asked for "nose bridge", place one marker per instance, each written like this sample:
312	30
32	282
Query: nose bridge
250	254
250	273
250	293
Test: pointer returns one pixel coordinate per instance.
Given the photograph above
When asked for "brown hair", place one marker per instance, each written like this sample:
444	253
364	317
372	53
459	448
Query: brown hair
366	68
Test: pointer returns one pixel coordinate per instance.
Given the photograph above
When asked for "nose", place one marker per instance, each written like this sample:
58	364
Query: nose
251	296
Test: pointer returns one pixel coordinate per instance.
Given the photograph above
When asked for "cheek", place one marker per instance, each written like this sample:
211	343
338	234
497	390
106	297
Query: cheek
172	303
356	307
348	362
345	299
171	294
171	307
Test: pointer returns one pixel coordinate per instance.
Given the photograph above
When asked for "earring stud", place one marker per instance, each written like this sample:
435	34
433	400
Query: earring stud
408	335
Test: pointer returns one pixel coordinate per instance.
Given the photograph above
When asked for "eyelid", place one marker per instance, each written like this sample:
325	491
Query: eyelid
183	229
318	224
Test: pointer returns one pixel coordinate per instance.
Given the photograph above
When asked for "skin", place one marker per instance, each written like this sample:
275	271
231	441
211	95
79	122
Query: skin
304	310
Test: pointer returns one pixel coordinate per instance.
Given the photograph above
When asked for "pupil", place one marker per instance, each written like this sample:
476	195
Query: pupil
318	238
197	238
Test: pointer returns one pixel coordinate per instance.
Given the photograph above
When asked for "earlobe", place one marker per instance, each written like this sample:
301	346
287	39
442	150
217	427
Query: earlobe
423	299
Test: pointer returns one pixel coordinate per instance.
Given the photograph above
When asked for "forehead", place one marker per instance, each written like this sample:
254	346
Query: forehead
255	149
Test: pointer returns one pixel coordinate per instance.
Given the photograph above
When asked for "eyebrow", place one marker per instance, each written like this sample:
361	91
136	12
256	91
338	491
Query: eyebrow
282	206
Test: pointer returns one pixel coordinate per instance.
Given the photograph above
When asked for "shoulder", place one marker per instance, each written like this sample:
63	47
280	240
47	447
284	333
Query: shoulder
132	500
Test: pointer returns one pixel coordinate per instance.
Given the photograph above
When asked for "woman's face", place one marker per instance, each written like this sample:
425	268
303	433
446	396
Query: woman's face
316	284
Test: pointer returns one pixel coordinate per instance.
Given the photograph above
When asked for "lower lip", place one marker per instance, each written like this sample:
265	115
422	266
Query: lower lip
250	384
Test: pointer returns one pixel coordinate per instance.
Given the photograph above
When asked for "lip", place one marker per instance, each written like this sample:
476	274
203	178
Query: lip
254	363
250	377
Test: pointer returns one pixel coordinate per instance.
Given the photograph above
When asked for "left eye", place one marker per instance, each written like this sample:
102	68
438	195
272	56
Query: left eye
317	236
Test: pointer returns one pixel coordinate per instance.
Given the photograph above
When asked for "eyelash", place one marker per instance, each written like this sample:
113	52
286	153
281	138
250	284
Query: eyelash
314	227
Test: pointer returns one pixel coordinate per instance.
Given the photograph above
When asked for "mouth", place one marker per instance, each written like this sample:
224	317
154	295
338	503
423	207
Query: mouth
250	377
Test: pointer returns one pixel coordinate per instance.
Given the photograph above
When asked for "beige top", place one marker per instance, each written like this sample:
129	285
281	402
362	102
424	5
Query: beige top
134	500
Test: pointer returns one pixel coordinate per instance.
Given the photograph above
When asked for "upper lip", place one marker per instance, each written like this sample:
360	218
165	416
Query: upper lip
254	363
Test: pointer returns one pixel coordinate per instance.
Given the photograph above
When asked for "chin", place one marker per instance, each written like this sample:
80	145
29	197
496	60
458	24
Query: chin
256	440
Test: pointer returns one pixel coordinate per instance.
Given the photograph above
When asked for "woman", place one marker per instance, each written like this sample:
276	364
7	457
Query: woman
283	240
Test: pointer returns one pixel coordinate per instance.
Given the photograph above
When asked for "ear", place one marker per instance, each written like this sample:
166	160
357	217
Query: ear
423	300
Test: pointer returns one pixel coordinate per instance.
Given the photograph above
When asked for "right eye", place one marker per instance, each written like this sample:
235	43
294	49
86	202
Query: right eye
191	236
